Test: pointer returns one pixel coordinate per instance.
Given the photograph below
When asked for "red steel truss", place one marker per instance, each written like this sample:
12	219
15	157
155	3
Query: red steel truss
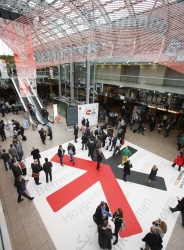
78	30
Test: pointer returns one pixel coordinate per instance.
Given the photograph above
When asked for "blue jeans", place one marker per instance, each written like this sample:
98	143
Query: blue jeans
72	157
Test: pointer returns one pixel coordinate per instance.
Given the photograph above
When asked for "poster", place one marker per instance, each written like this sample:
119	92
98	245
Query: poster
90	112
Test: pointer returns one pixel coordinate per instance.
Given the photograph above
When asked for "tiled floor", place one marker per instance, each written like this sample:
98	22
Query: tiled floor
25	226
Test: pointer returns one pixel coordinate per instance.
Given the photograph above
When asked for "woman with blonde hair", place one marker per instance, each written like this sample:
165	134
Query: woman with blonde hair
160	227
152	175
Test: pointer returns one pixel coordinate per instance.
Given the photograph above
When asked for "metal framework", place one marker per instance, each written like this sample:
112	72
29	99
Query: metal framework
59	31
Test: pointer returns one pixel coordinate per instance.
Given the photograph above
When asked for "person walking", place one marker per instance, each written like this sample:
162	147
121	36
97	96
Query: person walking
49	131
179	207
16	169
118	220
71	152
21	189
36	168
61	153
126	153
105	235
91	147
126	170
6	159
99	155
179	161
152	175
76	131
47	167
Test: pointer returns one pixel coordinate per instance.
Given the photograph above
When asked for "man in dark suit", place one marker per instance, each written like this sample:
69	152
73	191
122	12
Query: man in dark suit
76	130
36	154
61	153
47	167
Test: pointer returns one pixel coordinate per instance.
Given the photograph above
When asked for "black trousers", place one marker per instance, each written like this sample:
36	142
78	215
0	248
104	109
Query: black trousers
3	136
48	175
23	194
36	180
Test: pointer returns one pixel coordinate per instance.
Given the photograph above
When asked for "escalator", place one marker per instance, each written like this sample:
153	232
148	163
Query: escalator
38	108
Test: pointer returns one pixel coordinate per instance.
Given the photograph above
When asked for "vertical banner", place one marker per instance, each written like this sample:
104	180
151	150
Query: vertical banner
90	112
3	69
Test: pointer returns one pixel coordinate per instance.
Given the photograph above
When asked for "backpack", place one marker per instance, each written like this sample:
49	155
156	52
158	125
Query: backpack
123	225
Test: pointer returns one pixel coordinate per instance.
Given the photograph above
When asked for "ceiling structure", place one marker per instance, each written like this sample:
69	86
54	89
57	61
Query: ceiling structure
60	31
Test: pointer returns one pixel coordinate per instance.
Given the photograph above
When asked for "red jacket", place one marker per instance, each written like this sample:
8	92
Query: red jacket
179	160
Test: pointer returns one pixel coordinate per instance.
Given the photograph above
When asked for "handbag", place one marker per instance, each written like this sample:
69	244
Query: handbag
35	175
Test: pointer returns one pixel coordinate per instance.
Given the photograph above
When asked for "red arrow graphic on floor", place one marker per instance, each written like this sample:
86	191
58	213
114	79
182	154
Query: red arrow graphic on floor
114	195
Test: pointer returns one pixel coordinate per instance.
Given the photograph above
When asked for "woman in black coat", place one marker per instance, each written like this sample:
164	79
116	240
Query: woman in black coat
118	220
152	175
99	155
126	169
105	235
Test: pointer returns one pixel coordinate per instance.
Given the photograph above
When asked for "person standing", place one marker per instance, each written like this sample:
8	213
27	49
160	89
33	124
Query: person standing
16	169
2	132
49	131
19	149
71	152
87	123
61	153
126	170
76	131
6	159
152	175
105	235
13	152
152	240
99	155
23	167
179	207
126	153
47	167
179	161
21	188
91	147
118	146
36	168
83	121
118	220
84	141
42	135
101	213
36	154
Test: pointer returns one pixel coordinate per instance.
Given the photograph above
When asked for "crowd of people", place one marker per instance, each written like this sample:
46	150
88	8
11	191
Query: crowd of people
103	136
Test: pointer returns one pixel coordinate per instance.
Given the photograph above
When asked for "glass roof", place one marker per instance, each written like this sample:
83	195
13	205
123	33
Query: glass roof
54	29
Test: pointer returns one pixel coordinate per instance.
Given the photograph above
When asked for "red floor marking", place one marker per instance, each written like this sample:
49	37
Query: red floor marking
114	195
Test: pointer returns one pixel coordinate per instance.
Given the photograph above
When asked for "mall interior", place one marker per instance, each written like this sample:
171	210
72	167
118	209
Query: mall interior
69	53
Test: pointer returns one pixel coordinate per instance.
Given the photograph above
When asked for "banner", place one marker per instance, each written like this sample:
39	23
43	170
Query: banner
90	112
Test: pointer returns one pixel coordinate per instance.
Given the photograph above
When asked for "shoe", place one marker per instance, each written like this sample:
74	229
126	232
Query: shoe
149	184
110	150
98	169
38	183
20	200
73	163
31	198
62	165
70	160
115	242
141	248
2	140
171	209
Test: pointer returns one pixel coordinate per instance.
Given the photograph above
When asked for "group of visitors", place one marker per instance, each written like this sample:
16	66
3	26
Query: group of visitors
105	234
